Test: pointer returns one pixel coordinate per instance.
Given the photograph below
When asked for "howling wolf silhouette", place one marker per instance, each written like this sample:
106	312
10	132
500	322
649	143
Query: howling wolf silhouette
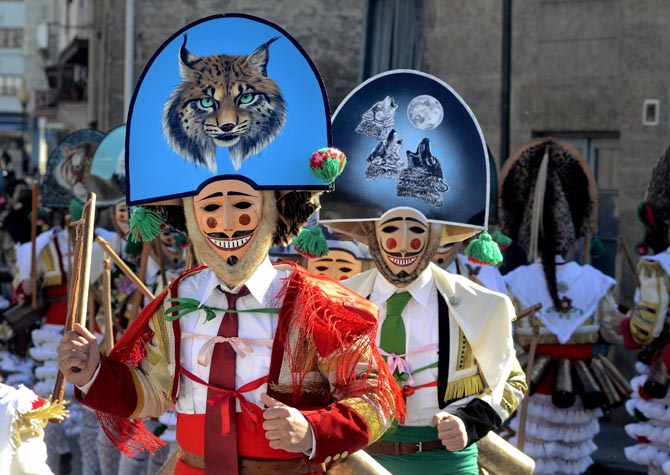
422	179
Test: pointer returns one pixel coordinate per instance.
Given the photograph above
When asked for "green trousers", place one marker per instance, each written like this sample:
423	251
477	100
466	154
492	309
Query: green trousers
431	462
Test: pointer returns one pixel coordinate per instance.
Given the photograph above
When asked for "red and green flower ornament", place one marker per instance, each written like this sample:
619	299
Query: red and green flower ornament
327	164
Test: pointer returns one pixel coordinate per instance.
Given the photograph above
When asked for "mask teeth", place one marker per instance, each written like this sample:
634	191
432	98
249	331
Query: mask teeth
224	244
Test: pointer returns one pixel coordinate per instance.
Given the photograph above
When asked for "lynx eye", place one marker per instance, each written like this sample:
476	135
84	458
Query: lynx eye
207	102
246	98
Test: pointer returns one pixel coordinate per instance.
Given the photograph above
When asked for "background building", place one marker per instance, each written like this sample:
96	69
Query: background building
594	72
13	94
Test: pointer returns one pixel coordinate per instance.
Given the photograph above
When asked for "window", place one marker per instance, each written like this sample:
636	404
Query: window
11	38
10	84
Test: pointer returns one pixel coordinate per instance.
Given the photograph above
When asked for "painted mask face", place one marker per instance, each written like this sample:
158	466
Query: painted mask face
121	217
228	213
445	255
173	247
337	264
402	236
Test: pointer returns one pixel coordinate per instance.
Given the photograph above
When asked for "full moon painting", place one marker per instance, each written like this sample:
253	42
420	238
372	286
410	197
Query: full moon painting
425	112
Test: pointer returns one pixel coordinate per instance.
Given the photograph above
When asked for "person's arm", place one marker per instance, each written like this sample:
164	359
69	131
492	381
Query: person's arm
650	311
134	392
364	407
482	414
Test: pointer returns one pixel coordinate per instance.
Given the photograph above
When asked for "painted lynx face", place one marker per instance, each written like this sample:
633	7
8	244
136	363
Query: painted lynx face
223	101
73	171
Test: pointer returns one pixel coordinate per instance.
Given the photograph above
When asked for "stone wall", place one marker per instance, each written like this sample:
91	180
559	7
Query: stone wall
578	66
330	32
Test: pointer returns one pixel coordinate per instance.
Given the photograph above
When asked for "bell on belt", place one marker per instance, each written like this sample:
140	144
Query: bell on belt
563	395
540	368
598	371
592	394
656	386
619	380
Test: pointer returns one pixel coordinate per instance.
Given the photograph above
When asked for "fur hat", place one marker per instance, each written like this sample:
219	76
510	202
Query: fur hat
548	200
654	211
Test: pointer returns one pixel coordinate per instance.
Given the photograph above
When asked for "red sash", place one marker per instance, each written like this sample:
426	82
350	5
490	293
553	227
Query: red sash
251	441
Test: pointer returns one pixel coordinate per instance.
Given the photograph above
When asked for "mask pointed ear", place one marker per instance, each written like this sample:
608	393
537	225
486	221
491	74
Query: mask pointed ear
259	58
186	60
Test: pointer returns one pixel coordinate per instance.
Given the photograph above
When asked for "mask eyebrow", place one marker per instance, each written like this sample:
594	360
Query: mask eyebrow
416	221
239	193
392	220
213	195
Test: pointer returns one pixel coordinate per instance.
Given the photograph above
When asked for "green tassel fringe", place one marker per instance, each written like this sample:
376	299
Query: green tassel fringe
311	243
502	240
145	225
132	247
483	251
76	209
596	249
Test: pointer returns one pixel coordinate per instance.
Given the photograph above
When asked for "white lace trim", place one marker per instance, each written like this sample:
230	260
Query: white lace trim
561	466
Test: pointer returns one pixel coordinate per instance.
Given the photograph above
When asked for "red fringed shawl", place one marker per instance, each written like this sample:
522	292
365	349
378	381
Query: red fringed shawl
316	309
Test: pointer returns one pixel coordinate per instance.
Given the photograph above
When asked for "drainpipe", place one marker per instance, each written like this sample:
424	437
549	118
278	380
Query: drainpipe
129	59
506	76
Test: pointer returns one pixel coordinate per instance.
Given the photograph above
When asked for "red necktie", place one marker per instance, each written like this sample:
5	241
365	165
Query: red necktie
221	448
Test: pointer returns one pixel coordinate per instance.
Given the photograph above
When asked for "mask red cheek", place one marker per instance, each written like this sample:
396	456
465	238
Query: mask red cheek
415	243
211	222
391	243
244	219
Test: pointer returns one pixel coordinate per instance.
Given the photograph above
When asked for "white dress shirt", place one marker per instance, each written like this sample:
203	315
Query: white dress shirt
264	287
420	317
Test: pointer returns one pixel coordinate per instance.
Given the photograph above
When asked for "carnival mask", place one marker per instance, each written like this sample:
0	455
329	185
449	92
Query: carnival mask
445	255
228	213
402	243
172	247
121	218
231	226
337	264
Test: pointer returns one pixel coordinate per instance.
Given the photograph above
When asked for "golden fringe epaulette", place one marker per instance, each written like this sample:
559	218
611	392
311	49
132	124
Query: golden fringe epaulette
464	387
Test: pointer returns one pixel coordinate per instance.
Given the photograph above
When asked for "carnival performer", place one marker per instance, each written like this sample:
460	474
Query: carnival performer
296	383
68	168
447	340
647	328
548	201
23	417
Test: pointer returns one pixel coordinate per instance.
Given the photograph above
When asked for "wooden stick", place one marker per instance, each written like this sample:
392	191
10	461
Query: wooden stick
136	299
81	272
189	256
33	247
528	311
123	267
629	259
108	343
523	414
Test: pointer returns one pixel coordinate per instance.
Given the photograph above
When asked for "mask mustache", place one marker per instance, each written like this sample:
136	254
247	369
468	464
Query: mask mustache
236	234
